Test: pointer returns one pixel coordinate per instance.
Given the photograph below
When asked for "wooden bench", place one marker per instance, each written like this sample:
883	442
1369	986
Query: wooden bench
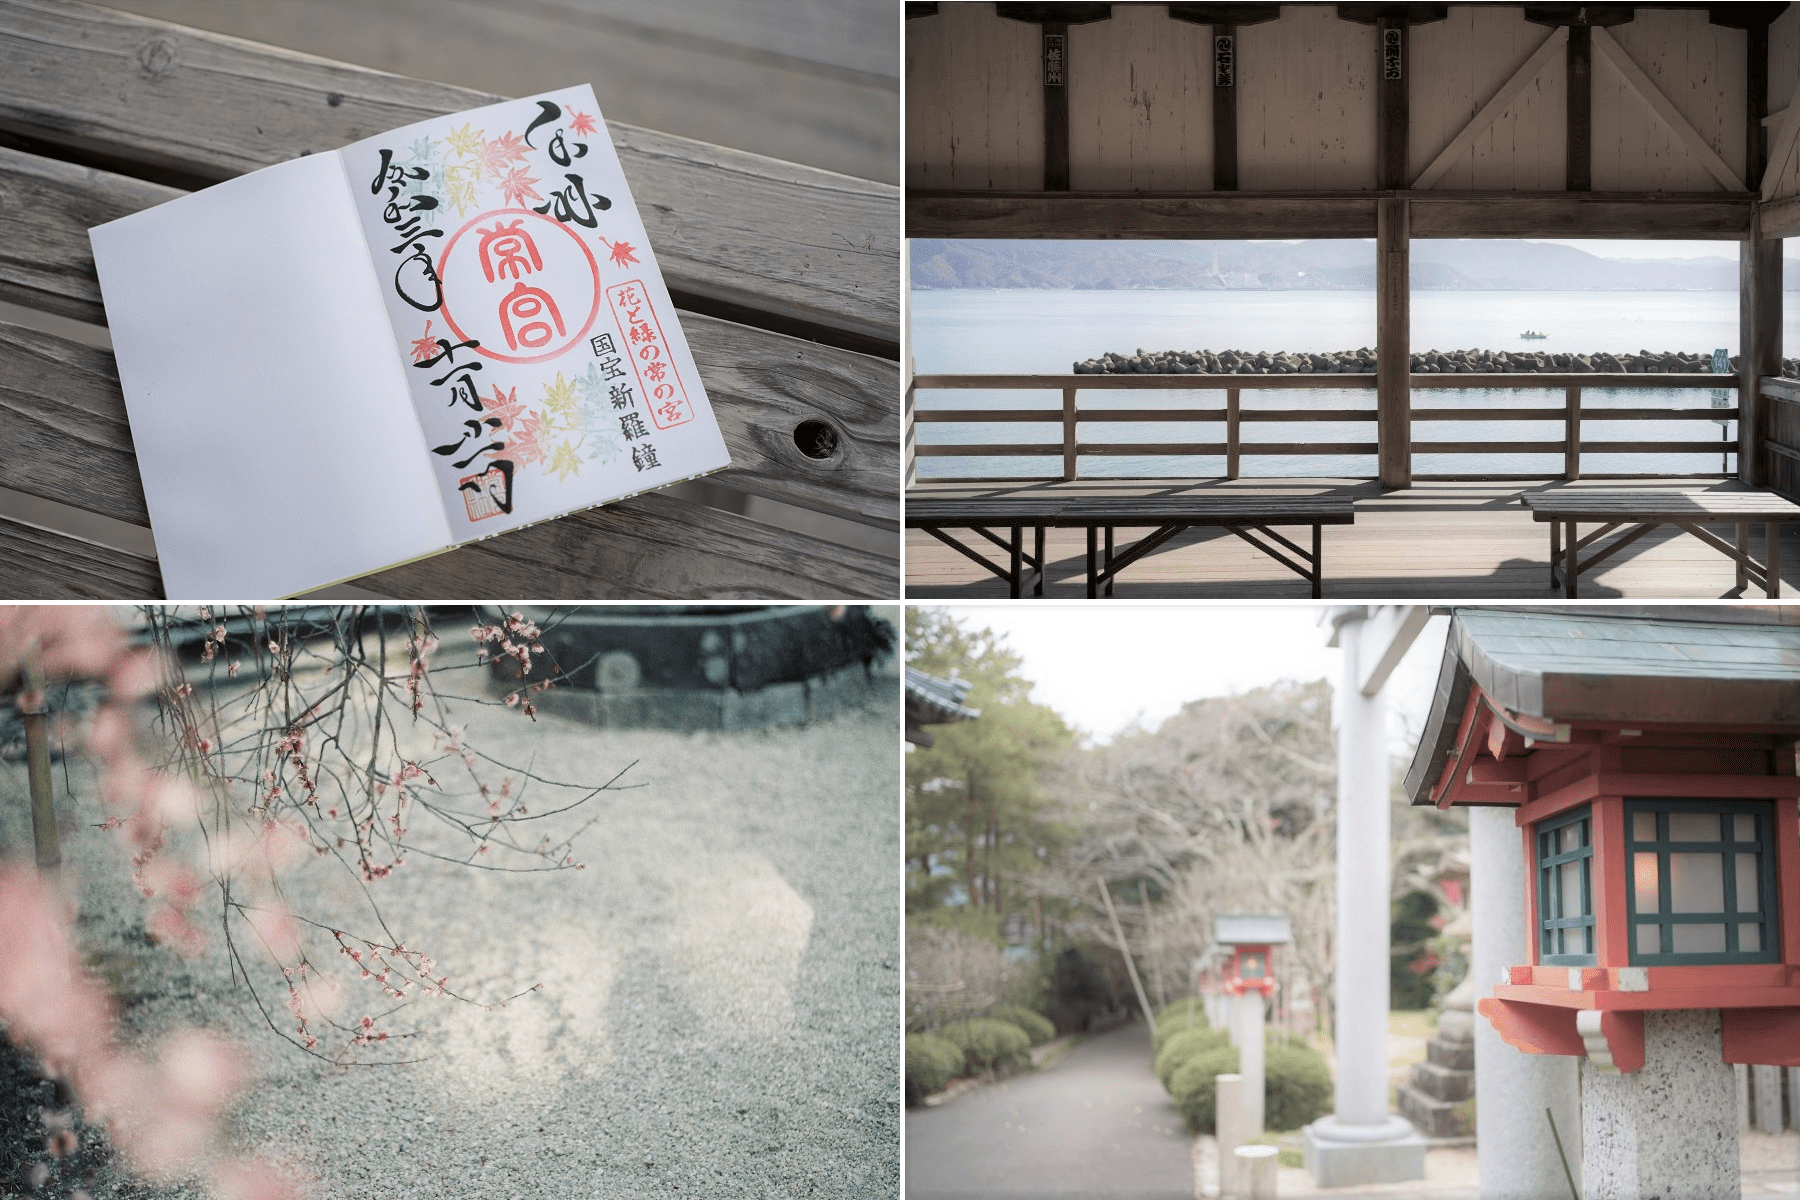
788	278
1165	516
1644	510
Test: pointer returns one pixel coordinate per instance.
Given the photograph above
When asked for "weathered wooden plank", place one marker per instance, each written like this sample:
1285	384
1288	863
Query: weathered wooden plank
1393	334
1497	104
1516	380
1330	215
42	565
763	386
1780	218
733	228
974	100
1140	101
1306	113
1461	62
654	546
1672	117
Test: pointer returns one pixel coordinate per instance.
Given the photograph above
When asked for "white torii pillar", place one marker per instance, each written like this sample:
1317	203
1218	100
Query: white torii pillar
1362	1142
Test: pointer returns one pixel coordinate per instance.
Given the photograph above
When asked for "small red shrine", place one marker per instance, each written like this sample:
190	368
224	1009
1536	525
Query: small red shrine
1252	938
1650	757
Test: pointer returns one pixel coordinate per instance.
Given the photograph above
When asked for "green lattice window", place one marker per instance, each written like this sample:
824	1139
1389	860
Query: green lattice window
1565	860
1702	882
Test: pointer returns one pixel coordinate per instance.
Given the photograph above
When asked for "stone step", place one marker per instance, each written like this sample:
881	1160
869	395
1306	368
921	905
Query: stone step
1443	1083
1437	1118
1458	1056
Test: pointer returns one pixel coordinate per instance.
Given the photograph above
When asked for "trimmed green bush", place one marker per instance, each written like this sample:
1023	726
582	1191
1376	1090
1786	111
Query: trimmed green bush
1297	1085
1179	1017
931	1062
1184	1045
1037	1027
1193	1086
987	1044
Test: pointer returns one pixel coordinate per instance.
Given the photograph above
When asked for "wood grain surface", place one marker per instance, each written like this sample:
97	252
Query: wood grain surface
42	565
162	100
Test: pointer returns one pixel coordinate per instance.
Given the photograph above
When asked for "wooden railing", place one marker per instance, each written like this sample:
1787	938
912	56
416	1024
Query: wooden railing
1233	416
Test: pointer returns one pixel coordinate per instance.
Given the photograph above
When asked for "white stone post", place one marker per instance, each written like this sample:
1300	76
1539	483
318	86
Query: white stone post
1671	1127
1256	1171
1228	1124
1516	1153
1766	1115
1247	1035
1361	1142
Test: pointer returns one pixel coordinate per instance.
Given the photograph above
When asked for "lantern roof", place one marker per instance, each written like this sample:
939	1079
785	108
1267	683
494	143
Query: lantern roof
1251	929
934	701
1688	665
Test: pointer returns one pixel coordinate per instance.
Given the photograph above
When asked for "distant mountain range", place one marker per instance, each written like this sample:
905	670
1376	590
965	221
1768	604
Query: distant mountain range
1437	265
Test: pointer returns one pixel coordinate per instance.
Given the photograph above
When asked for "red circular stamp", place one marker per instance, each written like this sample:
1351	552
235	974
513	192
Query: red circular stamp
525	287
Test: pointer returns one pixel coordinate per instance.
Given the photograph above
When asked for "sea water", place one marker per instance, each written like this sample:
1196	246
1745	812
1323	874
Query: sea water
1021	331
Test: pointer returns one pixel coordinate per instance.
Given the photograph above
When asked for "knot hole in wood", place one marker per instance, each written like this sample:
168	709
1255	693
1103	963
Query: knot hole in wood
156	57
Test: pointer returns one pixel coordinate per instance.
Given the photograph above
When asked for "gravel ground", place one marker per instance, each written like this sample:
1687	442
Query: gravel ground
719	1012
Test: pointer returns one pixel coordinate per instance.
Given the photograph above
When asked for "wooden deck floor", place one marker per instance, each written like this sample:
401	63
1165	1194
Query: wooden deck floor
1448	540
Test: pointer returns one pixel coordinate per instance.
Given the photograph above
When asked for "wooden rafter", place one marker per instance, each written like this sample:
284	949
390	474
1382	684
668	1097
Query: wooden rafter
1664	108
1783	145
1490	112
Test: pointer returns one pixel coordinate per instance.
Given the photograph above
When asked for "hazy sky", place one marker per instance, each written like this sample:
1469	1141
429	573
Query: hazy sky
1102	666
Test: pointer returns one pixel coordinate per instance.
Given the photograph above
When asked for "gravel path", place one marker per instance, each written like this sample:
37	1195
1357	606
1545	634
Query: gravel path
720	1003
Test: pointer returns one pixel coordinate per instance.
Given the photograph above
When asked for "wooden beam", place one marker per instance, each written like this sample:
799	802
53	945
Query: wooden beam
1391	106
1665	110
1056	106
1756	103
1759	342
1393	395
1780	218
1224	99
1579	171
1490	112
1322	215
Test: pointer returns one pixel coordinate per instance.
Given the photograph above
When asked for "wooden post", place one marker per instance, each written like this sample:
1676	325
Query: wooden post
1393	346
1581	109
1233	452
1391	104
1056	106
1224	98
1756	107
33	705
1572	433
1759	341
1071	464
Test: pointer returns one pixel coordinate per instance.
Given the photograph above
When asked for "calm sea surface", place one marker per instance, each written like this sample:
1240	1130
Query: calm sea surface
1026	332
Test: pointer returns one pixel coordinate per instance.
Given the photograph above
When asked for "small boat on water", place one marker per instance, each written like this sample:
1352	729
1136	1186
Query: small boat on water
1532	336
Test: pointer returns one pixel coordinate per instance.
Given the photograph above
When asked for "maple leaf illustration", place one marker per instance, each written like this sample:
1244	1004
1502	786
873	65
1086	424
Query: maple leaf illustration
424	347
460	194
504	405
622	253
517	189
497	153
559	398
423	150
580	122
593	390
564	463
467	144
527	445
602	446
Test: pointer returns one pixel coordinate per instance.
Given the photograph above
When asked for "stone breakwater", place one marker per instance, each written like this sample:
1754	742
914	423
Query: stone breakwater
1428	362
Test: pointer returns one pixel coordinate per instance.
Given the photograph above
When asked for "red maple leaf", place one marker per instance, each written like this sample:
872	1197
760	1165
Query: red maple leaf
517	189
622	253
504	405
527	446
581	123
496	153
424	347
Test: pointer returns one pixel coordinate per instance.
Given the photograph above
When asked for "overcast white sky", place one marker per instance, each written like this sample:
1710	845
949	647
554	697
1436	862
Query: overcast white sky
1104	665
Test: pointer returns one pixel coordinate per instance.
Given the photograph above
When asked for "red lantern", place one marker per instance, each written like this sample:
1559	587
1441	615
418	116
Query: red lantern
1252	937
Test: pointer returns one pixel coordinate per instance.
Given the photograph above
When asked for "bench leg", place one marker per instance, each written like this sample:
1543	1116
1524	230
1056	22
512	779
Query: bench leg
1571	563
1109	558
1318	562
1743	548
1093	569
1038	546
1555	550
1018	548
1772	534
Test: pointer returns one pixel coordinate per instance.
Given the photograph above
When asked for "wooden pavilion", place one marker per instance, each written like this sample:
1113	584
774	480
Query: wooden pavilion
1389	122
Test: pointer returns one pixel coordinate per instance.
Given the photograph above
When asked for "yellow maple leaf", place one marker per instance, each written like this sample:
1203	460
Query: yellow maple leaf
564	463
559	397
464	141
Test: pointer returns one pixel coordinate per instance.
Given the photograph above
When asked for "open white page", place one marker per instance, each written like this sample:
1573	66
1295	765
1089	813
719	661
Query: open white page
542	349
275	435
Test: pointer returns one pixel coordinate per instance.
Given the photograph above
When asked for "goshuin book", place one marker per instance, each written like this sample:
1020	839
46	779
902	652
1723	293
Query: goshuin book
351	360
